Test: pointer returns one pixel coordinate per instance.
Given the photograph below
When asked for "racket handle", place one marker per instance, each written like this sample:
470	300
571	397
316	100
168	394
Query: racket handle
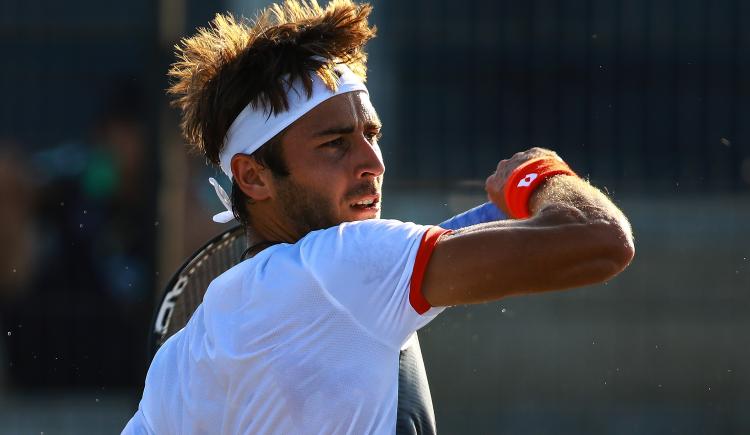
486	212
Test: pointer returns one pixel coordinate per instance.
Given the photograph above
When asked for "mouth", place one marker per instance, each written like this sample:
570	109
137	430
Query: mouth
367	203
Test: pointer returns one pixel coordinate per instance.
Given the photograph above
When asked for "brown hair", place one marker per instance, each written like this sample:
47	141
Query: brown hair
233	63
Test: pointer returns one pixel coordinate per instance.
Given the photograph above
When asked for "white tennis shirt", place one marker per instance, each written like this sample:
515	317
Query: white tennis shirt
302	338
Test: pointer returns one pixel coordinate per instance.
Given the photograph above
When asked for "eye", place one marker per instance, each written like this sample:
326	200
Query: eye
338	147
336	143
373	136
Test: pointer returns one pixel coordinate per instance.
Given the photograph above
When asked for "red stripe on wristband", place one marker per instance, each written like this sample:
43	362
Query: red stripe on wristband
526	178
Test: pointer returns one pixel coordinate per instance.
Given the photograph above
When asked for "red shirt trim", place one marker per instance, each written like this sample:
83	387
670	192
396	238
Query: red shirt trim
426	246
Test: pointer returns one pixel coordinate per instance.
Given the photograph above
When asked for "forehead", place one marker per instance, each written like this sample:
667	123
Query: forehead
351	109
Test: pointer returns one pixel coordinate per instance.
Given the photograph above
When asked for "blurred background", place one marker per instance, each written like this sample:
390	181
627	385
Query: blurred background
100	202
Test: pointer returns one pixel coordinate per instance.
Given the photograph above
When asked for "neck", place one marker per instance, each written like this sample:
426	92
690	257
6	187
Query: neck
255	243
252	236
267	226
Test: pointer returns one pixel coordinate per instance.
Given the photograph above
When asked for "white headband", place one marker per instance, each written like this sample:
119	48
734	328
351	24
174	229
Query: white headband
255	126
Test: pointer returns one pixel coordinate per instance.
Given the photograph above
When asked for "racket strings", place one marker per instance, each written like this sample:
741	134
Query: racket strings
214	259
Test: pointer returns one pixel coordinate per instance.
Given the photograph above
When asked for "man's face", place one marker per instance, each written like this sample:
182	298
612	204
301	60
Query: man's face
335	165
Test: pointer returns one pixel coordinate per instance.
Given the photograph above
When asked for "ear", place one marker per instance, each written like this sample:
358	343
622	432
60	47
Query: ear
251	177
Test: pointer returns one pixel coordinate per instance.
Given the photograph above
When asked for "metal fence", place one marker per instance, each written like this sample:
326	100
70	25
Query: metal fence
641	95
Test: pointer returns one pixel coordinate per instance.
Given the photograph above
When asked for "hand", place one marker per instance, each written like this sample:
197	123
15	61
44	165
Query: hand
495	184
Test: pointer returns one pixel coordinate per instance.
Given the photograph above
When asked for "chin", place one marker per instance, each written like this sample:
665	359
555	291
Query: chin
362	215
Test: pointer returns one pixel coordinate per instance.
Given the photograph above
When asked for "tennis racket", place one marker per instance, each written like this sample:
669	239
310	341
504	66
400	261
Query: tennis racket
185	290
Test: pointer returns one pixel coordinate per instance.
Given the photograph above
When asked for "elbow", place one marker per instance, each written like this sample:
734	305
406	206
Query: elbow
618	249
607	261
620	258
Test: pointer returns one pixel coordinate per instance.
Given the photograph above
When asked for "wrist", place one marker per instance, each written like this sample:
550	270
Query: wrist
546	193
527	180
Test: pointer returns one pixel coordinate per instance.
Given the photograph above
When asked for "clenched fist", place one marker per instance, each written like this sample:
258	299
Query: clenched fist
495	184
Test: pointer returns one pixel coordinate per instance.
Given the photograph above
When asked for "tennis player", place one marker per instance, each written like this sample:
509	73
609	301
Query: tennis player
308	335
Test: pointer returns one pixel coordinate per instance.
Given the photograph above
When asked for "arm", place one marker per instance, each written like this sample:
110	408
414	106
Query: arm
575	236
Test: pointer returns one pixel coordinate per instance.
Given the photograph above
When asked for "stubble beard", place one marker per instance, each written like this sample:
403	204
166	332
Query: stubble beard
308	210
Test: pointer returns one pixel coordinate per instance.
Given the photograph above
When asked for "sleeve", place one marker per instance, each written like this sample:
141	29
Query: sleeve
374	270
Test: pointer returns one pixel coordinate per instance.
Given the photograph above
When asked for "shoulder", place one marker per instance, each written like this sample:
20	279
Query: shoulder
235	276
371	230
350	244
363	247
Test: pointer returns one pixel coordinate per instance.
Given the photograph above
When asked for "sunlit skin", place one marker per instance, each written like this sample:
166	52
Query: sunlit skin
334	161
575	235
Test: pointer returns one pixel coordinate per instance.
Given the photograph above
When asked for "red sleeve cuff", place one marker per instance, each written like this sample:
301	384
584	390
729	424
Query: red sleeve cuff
426	246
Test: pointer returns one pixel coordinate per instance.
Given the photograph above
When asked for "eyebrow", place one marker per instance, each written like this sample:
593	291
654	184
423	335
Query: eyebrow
346	129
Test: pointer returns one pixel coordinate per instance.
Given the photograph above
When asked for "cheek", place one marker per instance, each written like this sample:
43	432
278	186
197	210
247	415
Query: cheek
330	185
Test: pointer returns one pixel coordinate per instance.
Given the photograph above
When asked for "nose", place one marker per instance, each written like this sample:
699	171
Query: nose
370	162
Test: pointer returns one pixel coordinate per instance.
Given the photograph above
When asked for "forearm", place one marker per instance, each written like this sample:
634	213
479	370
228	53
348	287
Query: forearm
568	234
575	192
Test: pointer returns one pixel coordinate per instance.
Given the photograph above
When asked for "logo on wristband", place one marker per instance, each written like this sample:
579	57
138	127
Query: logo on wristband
527	180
